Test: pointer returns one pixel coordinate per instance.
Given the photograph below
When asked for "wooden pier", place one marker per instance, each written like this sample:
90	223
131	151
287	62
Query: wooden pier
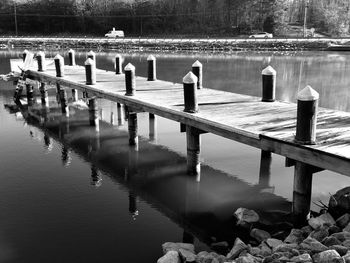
268	125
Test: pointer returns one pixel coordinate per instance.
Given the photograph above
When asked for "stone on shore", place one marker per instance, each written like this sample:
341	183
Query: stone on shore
248	259
259	235
245	215
187	256
330	241
343	221
328	256
273	242
320	234
286	248
212	257
296	236
340	249
170	257
341	236
237	248
324	219
312	245
170	246
339	203
301	258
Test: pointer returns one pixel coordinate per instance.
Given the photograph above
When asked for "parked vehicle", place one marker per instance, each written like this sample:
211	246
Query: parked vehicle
115	33
261	35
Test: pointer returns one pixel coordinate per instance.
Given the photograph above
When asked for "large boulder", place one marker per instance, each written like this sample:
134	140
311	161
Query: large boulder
328	256
245	215
339	203
170	257
237	248
324	219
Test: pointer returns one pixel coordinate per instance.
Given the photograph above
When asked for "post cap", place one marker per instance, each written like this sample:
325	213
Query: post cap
308	94
25	51
197	64
129	67
89	61
58	56
269	71
118	56
71	51
190	78
91	52
40	54
151	57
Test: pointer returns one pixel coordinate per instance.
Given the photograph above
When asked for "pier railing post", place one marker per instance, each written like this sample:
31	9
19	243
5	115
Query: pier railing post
197	69
130	80
41	61
152	68
93	113
305	134
59	65
268	84
90	71
190	93
71	57
118	64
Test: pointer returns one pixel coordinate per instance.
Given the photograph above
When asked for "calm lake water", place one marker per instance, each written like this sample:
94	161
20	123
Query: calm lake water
69	194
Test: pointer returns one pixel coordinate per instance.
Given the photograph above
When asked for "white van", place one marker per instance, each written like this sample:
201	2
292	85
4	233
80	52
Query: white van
115	33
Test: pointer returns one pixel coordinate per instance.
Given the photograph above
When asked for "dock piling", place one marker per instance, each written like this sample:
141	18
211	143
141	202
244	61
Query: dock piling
30	94
118	64
130	80
40	56
265	168
190	93
152	68
268	84
24	54
197	69
152	127
75	97
120	112
91	54
64	102
132	127
59	65
193	150
71	57
93	113
44	94
90	71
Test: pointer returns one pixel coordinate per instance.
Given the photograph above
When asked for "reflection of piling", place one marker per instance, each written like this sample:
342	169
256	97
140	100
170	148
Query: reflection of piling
93	113
96	179
265	169
152	127
133	205
305	134
65	156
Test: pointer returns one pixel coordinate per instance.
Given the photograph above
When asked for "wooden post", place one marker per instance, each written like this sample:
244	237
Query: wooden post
24	54
112	118
58	92
64	102
120	112
91	54
90	71
190	93
130	80
44	94
193	150
41	61
307	116
71	56
59	65
30	94
152	127
75	95
268	84
93	113
118	64
197	69
152	68
132	127
306	135
265	169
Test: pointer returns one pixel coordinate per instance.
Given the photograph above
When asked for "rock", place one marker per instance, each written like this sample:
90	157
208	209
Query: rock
328	256
212	257
246	215
237	248
259	235
311	244
286	248
283	259
307	230
346	243
273	242
324	219
339	203
340	249
247	259
295	237
341	236
334	229
255	251
186	255
170	257
221	247
265	249
170	246
320	234
343	221
346	258
330	241
301	258
346	228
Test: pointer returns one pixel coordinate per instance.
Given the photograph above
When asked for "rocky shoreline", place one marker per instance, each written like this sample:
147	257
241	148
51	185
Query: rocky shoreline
218	45
325	239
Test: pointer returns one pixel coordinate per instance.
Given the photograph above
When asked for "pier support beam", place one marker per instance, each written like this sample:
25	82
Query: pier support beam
64	102
93	113
44	94
75	97
120	112
193	150
132	127
152	127
265	168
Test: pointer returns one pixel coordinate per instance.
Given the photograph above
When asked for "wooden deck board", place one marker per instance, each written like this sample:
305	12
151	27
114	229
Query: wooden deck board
270	126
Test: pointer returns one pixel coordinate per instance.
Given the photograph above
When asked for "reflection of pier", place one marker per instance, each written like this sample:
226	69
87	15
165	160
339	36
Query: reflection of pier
157	175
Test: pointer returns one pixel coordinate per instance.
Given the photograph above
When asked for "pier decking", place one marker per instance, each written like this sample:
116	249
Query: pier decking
269	126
